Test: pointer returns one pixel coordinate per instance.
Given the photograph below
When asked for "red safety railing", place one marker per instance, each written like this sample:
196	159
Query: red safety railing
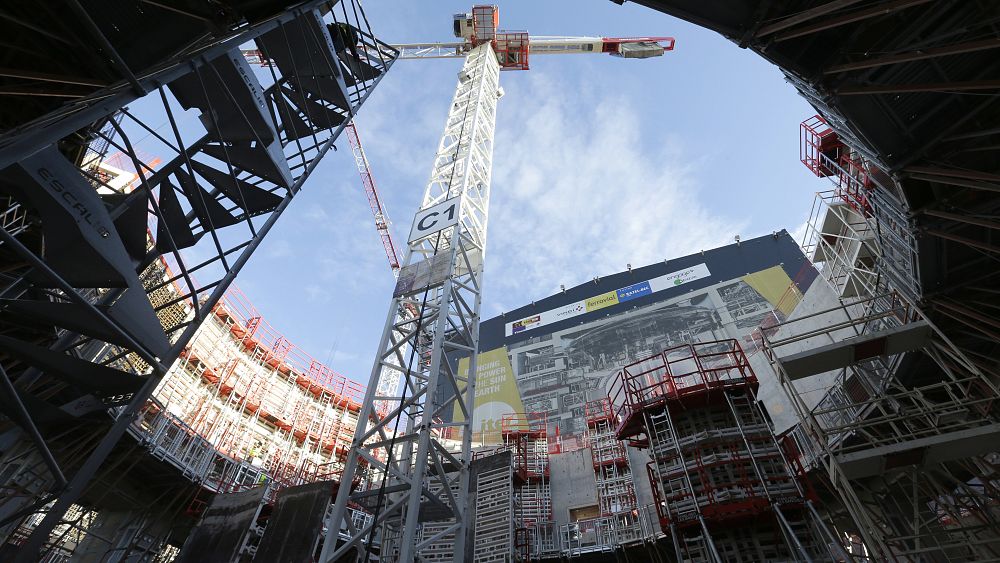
522	544
675	374
819	146
511	48
661	507
520	431
854	183
598	410
532	424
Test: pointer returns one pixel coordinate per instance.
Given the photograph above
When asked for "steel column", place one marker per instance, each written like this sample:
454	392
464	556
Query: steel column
407	445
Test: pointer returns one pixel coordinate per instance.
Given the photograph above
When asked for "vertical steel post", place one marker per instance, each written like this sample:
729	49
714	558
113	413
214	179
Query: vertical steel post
408	447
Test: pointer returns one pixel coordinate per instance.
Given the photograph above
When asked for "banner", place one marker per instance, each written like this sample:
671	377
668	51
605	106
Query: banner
608	299
496	394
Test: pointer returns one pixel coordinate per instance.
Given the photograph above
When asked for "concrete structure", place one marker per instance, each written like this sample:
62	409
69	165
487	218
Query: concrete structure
123	230
723	485
740	403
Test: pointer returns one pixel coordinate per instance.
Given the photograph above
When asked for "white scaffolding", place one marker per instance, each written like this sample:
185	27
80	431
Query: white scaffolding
904	432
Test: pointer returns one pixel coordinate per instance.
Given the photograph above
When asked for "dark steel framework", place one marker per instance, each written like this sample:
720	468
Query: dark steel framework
909	91
911	86
92	271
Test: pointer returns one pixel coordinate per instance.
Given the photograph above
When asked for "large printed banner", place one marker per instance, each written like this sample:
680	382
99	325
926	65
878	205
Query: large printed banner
496	394
608	299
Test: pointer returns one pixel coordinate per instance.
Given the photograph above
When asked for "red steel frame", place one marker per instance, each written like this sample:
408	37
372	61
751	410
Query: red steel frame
823	153
816	139
520	431
692	376
512	49
517	430
854	182
599	414
522	544
686	371
258	339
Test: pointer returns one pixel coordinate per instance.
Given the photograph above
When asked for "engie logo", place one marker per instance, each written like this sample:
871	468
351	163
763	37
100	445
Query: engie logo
523	324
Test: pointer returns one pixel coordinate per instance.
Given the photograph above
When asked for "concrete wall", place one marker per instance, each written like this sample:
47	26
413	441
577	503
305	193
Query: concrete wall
573	483
819	297
638	460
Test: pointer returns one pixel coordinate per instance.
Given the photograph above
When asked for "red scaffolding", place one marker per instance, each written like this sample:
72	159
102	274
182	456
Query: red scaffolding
823	153
819	146
715	459
613	475
689	372
526	436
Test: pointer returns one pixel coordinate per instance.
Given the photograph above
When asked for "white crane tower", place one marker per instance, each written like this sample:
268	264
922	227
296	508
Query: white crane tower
406	482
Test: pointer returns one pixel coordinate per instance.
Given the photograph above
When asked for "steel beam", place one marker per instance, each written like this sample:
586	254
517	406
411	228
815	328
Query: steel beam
963	240
921	452
51	128
973	184
917	55
109	49
44	77
804	16
852	17
954	173
7	388
965	86
962	219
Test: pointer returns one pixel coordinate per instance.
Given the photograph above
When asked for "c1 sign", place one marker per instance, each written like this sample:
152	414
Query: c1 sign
435	218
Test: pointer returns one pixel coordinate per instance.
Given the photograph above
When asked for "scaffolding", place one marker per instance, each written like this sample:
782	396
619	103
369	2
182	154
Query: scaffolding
904	431
255	396
858	233
242	407
715	460
499	537
613	473
525	435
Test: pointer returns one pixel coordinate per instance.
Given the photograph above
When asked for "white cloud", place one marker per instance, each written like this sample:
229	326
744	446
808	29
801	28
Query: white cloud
278	248
317	294
576	194
315	213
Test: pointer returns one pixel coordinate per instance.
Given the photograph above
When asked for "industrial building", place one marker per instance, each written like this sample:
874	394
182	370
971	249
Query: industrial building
832	398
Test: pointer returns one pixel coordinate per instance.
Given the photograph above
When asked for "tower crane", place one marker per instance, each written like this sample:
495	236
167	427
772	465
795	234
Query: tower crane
368	181
413	444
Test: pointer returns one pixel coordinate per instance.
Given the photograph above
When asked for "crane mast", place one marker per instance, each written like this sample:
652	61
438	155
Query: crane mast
409	466
378	211
399	449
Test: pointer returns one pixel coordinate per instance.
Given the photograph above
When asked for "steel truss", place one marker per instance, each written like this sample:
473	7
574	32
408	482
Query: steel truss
715	459
932	427
860	230
619	521
419	464
182	230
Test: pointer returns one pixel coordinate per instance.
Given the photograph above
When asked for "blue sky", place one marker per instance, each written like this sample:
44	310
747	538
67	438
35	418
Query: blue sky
599	162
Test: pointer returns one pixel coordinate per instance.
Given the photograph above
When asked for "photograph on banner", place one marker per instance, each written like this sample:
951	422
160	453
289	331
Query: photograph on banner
608	299
558	371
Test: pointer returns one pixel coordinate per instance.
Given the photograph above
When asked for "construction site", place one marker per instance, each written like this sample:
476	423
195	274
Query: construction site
823	393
